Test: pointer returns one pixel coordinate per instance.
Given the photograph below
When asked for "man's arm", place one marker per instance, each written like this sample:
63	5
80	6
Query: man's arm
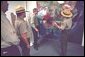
24	33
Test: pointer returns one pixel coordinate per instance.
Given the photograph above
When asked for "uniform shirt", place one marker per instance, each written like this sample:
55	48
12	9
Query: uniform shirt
21	27
30	32
66	23
8	34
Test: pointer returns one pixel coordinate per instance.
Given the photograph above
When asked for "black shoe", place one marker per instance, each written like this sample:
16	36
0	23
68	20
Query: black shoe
36	47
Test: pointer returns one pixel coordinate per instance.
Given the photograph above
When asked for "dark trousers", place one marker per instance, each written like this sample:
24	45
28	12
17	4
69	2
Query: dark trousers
64	42
35	38
10	51
25	50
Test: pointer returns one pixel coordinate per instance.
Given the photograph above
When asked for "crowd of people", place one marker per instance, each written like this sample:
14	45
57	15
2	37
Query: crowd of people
15	38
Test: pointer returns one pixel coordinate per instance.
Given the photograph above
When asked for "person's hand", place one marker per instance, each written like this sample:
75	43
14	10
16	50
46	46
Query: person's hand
36	30
13	17
55	24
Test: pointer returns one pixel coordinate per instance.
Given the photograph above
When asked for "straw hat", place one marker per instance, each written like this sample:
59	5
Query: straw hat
19	9
66	13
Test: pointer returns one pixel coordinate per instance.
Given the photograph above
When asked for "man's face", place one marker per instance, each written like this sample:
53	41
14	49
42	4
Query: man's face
35	11
5	5
24	14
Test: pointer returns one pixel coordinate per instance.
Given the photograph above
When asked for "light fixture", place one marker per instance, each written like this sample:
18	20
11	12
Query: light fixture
60	2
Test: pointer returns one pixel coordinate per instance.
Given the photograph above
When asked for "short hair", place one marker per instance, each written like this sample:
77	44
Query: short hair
35	9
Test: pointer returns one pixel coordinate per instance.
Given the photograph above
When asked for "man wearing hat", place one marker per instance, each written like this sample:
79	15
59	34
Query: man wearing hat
22	30
9	38
65	15
66	24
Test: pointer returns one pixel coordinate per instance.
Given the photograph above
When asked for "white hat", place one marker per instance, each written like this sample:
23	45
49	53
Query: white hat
20	9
